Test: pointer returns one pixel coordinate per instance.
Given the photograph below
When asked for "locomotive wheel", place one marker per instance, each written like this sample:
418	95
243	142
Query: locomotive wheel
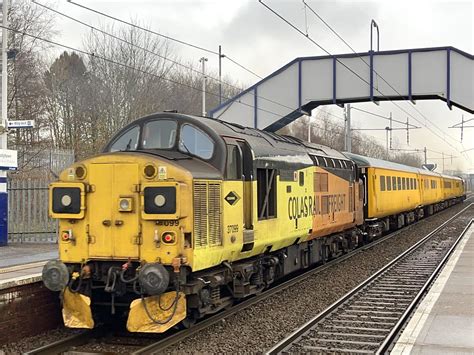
190	320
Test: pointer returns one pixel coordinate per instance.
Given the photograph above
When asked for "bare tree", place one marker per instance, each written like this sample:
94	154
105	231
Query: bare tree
135	88
26	91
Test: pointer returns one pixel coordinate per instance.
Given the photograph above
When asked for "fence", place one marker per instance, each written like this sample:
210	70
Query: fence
43	162
28	220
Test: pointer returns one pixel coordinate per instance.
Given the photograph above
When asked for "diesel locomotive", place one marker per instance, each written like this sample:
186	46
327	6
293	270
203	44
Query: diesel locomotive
180	216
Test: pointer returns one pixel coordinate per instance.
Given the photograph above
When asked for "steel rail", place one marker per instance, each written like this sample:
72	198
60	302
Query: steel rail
389	340
65	344
180	336
308	325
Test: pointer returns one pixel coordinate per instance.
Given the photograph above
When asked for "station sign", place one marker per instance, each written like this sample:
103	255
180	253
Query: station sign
21	124
8	159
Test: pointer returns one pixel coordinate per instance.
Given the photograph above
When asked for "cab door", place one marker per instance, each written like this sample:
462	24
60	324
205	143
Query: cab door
233	193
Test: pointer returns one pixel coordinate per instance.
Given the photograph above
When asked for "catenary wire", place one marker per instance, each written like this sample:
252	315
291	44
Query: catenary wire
162	77
156	54
362	59
173	61
350	69
162	35
386	118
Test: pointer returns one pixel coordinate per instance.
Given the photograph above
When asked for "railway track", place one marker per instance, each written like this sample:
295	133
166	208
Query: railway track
72	344
369	318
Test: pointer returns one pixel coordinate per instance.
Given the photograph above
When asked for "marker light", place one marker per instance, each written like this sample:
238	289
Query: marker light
168	238
125	204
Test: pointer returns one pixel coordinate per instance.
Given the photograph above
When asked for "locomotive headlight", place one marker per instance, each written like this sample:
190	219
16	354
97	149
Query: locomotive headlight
66	200
160	200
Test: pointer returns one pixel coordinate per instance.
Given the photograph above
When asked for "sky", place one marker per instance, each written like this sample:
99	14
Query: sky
253	36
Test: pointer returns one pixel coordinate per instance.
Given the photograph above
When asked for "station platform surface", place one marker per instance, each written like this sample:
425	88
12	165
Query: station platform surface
444	321
23	263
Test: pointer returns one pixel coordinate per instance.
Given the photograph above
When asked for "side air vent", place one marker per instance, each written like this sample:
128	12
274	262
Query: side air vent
200	214
207	214
214	214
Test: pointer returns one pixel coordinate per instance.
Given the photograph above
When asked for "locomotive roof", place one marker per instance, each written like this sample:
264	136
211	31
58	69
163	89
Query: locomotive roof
363	161
264	144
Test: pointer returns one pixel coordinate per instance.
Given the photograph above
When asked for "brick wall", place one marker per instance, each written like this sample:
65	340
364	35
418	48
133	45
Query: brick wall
27	310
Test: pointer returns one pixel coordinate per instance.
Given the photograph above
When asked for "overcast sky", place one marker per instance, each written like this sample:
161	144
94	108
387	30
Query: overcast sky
253	36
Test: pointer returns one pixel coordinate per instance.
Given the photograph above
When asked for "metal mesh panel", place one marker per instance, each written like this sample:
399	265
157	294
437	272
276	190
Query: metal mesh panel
200	214
215	235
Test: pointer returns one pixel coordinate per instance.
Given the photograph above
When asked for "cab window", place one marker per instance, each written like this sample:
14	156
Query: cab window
234	163
127	141
196	142
159	134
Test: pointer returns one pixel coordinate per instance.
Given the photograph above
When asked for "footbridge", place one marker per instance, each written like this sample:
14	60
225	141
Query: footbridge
444	73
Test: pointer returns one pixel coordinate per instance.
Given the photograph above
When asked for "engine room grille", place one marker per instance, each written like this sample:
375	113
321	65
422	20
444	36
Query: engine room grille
207	214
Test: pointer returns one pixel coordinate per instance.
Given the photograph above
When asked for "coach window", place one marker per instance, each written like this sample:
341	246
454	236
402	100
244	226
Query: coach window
234	163
389	183
266	193
403	184
394	183
382	183
414	183
399	183
127	141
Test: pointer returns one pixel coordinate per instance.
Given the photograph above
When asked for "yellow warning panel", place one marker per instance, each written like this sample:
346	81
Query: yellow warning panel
77	310
161	313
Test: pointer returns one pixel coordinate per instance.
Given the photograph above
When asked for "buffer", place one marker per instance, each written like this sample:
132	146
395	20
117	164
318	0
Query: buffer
444	73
